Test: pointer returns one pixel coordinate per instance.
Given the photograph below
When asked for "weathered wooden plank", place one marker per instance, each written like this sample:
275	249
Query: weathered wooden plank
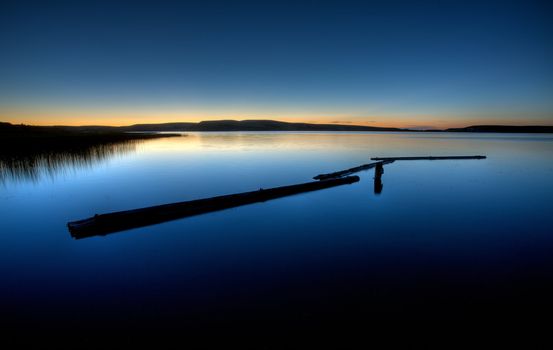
427	158
103	224
350	171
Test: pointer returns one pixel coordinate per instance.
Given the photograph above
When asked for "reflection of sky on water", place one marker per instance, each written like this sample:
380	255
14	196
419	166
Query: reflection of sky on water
462	233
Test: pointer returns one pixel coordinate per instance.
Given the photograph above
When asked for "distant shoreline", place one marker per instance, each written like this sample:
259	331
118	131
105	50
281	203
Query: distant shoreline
144	130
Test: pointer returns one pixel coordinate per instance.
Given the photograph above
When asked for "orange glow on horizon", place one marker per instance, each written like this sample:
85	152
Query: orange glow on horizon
125	121
124	118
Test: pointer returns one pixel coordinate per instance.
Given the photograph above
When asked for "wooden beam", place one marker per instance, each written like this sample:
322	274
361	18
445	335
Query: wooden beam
102	224
350	171
427	158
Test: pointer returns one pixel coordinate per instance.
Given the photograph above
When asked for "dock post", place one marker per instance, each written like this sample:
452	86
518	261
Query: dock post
378	171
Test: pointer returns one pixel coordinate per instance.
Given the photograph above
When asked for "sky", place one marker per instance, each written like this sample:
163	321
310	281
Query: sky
384	63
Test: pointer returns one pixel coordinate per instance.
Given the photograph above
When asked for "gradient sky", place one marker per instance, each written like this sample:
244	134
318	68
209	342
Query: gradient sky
409	64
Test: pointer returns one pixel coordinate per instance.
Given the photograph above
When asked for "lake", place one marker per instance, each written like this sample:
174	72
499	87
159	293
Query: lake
443	240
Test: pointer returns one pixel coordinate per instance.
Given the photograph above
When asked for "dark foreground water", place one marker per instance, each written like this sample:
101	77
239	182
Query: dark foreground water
444	239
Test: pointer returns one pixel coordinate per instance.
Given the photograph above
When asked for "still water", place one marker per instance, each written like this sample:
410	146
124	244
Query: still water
443	239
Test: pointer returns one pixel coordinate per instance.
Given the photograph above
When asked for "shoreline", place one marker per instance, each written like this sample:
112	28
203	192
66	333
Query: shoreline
258	125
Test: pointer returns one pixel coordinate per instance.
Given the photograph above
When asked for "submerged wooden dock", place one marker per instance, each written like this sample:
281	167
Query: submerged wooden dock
427	158
379	168
102	224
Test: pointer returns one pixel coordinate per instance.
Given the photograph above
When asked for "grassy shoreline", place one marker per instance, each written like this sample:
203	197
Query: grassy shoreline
44	138
30	152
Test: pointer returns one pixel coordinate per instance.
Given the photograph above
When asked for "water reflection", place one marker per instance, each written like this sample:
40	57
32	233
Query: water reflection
470	240
24	164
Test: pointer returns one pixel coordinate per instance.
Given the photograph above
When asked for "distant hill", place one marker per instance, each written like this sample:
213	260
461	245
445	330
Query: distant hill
251	125
273	125
256	125
505	129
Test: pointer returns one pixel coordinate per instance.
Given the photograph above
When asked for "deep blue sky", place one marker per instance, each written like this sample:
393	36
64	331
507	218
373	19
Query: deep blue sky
384	63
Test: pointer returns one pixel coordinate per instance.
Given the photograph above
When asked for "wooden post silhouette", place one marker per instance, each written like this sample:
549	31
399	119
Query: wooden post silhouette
378	171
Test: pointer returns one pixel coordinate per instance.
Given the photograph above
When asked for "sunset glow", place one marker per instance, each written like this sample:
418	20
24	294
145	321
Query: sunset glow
380	64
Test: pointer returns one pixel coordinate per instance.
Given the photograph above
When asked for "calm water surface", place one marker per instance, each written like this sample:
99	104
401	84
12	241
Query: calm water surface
443	239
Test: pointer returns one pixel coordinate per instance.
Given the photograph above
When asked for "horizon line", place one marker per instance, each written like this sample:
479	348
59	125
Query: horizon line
344	124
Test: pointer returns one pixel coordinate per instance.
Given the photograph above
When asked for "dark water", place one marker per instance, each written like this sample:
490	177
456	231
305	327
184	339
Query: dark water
444	239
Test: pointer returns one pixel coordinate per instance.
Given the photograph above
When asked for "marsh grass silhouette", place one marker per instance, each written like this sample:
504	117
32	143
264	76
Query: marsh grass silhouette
28	153
32	166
